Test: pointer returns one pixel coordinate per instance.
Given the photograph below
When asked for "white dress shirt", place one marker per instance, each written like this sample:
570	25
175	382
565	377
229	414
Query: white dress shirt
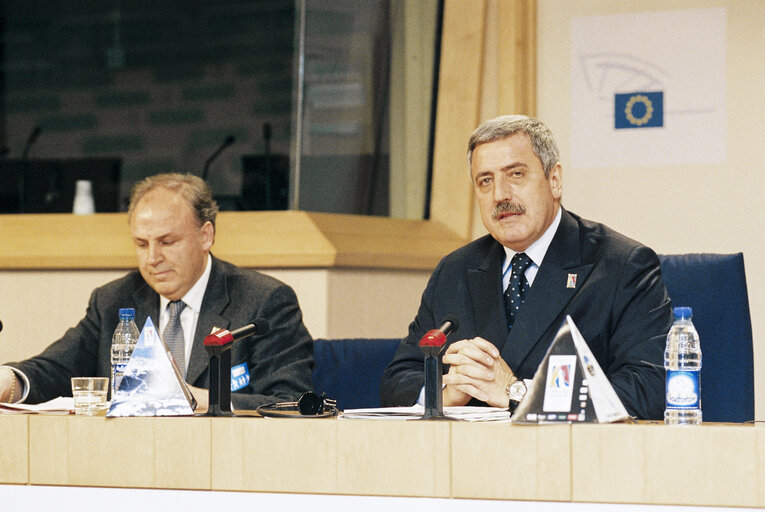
535	251
190	314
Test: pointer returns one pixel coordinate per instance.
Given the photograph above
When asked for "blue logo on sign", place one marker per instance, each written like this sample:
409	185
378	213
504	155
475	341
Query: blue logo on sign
639	110
240	377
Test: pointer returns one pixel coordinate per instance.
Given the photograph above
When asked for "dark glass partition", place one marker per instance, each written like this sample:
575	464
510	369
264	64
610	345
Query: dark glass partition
277	103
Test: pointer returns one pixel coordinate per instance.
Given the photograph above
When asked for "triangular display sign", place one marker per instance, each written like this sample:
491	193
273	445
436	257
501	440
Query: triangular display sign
569	385
151	385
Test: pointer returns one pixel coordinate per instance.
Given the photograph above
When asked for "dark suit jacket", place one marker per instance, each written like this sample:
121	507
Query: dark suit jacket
620	305
280	362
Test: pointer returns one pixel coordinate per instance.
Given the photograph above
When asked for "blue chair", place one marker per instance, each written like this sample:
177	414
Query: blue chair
350	370
714	285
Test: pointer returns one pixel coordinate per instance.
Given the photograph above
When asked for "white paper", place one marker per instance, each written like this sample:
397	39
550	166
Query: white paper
415	412
60	405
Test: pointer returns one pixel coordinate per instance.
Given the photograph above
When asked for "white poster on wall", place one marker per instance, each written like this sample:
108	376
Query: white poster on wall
648	88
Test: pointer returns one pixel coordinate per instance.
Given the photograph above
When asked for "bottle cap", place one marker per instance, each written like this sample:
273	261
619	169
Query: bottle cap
127	313
683	312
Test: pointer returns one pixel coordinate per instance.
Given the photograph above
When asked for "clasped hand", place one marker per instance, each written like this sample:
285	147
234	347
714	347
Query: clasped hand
476	371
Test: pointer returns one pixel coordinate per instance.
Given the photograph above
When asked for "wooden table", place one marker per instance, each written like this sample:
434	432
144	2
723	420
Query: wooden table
721	464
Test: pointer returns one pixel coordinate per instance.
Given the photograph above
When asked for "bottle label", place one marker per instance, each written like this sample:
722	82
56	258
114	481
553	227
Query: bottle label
118	370
683	389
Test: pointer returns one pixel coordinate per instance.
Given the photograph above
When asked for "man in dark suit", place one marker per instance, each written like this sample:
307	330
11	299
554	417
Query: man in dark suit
610	285
172	224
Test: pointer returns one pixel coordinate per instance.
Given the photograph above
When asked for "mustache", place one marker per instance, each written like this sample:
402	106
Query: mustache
507	207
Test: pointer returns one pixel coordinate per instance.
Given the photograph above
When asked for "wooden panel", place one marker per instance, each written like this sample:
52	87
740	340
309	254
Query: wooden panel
517	56
502	461
718	465
378	242
759	456
597	450
272	239
249	239
14	449
411	86
166	453
707	465
488	68
274	455
66	241
457	112
393	458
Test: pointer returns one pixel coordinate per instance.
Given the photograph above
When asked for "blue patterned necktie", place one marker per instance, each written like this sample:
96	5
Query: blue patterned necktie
517	287
173	335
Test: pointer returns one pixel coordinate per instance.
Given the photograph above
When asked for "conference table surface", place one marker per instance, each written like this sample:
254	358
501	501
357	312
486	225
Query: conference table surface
643	463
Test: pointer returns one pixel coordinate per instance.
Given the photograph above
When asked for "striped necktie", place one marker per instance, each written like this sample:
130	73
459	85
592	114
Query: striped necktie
173	335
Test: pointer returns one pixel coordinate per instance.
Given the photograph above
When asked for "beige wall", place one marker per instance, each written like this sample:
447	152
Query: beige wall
700	208
37	307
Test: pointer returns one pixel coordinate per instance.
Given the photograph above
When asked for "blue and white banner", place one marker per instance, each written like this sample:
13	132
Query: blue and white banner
649	88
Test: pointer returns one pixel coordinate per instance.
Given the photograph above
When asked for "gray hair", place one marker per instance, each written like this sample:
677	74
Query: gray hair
542	140
192	188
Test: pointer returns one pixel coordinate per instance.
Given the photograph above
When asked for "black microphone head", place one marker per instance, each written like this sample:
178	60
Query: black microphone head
1	326
261	326
452	320
229	140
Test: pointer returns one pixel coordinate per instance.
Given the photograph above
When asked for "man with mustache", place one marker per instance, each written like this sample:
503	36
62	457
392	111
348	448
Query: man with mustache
512	289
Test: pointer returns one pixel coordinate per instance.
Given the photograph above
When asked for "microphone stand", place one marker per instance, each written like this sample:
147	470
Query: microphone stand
226	143
25	167
218	347
219	397
432	346
268	163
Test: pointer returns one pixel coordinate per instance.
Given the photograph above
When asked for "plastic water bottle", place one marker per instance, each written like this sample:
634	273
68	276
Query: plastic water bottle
682	361
124	340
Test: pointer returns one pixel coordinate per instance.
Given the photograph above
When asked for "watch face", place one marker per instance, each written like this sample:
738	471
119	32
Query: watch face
517	391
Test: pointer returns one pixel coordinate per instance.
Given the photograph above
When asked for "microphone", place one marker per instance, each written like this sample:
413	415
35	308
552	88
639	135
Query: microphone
223	336
31	140
437	337
1	325
226	143
218	346
432	346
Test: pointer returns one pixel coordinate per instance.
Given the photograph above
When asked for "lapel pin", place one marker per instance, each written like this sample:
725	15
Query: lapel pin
571	281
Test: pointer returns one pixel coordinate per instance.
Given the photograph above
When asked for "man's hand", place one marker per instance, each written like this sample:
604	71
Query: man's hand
202	397
476	371
10	387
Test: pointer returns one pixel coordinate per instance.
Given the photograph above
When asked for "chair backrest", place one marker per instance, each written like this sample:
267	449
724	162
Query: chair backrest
714	285
350	370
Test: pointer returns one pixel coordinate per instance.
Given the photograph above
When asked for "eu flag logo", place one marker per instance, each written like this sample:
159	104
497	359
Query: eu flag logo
639	110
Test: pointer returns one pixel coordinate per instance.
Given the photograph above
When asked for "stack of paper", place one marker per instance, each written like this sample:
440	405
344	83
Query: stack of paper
415	412
60	405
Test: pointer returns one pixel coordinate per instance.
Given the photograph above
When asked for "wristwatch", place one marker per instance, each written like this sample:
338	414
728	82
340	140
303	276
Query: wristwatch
516	391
